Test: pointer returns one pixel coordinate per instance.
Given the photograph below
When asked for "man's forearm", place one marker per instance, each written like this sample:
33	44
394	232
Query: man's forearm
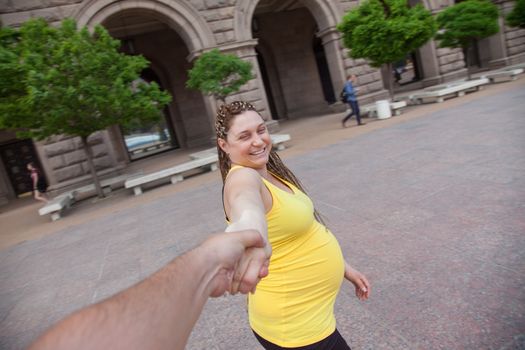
157	313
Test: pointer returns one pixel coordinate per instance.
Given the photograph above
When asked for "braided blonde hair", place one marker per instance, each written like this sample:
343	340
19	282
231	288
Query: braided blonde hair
223	121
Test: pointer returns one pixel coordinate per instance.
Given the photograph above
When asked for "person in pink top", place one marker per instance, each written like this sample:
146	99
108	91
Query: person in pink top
39	183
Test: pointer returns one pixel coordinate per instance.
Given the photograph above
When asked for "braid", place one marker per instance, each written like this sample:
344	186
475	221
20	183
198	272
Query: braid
225	115
277	167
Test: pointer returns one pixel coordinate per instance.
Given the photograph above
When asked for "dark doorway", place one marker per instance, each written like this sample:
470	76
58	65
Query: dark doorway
324	71
407	71
146	139
473	55
266	82
15	157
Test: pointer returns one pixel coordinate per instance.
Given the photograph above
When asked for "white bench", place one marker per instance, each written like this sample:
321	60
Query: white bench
106	184
204	154
371	110
175	174
278	141
441	92
501	75
57	205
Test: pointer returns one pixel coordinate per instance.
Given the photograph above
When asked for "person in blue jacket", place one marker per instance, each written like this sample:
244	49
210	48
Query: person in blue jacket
350	98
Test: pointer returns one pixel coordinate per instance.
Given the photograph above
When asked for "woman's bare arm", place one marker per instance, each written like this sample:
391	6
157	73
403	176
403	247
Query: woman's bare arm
246	211
360	282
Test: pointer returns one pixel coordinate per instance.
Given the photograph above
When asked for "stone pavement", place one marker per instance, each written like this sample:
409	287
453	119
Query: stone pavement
431	209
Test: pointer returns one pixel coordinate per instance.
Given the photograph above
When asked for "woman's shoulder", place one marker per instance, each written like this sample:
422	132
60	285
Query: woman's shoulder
238	171
239	175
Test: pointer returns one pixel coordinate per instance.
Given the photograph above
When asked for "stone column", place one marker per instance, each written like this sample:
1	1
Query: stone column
429	64
331	39
253	91
495	45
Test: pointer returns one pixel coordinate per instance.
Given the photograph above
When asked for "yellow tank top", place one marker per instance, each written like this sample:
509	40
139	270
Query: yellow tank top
293	306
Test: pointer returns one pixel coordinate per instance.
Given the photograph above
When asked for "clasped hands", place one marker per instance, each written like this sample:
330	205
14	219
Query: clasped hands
241	259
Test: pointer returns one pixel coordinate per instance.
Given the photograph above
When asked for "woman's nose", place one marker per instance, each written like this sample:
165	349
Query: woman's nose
257	140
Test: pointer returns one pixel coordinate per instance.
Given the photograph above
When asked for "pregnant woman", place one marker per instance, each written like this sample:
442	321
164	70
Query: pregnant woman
293	307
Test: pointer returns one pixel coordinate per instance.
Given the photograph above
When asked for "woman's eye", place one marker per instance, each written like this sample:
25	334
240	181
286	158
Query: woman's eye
262	130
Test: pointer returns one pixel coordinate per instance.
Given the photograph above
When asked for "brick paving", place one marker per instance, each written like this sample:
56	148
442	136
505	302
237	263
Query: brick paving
432	210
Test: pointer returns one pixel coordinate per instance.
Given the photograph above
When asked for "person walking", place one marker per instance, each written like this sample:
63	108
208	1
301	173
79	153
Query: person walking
349	93
39	183
293	306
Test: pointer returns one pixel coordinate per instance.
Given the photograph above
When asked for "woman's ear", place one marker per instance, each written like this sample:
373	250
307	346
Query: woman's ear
223	145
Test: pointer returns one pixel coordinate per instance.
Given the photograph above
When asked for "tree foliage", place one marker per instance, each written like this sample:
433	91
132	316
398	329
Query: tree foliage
467	21
62	80
516	18
69	81
463	23
218	74
385	31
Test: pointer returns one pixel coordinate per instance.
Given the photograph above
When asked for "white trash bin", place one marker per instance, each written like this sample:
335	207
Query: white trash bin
383	109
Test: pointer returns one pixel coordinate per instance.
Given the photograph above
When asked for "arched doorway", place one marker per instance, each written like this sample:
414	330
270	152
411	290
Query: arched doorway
185	121
169	35
146	139
298	71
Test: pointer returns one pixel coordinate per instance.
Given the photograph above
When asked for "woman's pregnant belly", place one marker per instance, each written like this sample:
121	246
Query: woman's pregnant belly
294	303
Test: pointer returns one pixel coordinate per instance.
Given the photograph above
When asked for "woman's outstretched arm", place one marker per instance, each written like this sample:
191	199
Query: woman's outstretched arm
246	211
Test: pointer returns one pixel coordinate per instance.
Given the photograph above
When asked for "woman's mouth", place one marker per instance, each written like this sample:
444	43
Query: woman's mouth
259	152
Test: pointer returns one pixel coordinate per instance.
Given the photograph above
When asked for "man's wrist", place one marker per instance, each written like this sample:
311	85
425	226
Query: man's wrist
206	265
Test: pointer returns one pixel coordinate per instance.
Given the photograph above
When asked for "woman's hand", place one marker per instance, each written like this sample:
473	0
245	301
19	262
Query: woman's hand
252	267
361	284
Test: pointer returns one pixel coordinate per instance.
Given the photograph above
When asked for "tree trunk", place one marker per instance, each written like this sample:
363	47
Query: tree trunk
390	82
467	61
89	156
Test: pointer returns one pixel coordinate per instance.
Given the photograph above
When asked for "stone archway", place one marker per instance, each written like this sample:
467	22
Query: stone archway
169	35
180	16
326	13
325	16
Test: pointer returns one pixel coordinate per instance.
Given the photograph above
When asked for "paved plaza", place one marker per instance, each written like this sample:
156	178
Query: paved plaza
431	209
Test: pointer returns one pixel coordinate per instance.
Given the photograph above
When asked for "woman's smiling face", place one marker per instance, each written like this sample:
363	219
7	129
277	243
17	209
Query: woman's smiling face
247	142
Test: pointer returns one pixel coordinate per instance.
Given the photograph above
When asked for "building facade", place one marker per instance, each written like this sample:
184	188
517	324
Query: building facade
295	49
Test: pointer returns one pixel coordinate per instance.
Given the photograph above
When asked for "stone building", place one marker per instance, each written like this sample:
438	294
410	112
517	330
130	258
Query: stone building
293	45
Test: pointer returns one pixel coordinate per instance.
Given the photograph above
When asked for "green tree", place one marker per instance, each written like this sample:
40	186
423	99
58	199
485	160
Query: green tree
463	23
71	82
516	17
218	74
386	31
